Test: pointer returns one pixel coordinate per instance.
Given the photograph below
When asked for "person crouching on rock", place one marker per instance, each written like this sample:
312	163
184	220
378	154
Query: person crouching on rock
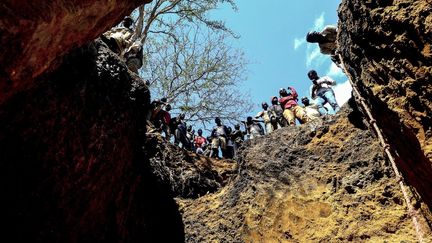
326	40
288	100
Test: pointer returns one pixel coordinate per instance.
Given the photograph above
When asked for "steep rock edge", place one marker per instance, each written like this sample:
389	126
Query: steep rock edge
387	49
73	168
34	35
298	186
187	174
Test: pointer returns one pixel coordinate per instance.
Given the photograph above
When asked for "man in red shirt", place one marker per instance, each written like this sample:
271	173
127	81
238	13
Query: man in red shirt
292	110
199	142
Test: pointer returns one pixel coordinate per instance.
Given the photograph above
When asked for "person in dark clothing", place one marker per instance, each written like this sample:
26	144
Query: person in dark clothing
237	136
230	145
276	114
180	133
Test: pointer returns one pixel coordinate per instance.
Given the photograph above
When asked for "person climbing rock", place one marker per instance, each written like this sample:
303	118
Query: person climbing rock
288	100
118	38
276	114
322	92
326	40
264	114
219	138
200	142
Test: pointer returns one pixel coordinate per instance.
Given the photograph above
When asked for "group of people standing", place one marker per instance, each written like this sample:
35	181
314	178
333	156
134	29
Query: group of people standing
184	136
286	110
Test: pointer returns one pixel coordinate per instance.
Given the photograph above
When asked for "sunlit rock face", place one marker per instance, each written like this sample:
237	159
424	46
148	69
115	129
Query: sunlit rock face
387	49
301	186
35	35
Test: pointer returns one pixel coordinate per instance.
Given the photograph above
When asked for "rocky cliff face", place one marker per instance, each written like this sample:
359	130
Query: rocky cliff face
73	168
387	48
301	186
34	35
76	164
186	173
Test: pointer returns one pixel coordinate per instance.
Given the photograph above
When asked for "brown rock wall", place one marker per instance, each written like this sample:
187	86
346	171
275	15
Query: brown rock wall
34	35
296	186
72	164
386	47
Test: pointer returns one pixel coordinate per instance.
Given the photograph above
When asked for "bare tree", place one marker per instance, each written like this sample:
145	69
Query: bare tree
163	16
198	73
189	61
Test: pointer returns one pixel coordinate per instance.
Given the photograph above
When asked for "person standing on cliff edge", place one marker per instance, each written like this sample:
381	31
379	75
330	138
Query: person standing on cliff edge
326	40
322	92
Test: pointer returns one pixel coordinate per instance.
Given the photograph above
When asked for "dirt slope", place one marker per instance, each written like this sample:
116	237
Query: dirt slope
297	186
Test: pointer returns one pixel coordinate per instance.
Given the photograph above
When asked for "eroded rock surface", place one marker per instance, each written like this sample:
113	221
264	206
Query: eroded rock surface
73	168
298	186
387	49
34	35
187	174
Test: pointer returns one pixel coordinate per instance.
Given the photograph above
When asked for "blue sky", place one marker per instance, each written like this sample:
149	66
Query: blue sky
272	36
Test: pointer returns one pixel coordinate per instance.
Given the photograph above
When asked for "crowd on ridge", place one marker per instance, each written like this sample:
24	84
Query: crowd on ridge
284	110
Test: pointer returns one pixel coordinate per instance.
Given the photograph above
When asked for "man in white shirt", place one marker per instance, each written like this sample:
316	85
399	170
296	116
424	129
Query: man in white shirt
322	92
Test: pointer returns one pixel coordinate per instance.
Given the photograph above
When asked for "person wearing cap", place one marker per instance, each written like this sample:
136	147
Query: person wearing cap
292	110
265	115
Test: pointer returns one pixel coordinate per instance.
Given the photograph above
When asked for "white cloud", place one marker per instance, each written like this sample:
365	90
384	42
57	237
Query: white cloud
299	42
318	26
319	22
335	72
342	92
314	58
